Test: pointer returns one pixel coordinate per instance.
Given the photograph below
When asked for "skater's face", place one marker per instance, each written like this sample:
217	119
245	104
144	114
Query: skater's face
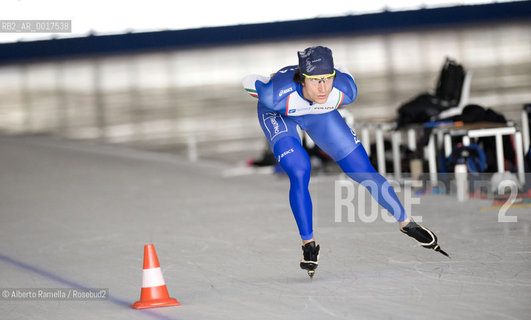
317	88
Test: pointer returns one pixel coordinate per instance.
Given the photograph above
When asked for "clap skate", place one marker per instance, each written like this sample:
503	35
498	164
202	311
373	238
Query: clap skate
423	235
310	257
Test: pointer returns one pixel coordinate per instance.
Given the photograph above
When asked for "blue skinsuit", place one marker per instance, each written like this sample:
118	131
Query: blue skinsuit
281	107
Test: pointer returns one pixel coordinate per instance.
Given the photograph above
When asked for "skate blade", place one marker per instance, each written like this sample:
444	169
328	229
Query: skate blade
438	249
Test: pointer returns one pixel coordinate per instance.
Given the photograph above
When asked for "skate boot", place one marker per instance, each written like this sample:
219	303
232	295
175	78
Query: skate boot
310	257
423	235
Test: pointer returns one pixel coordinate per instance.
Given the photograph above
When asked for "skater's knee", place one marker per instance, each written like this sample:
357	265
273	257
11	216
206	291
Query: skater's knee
301	174
357	164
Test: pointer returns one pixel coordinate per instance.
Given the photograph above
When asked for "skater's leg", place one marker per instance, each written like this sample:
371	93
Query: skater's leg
284	140
330	132
295	161
283	137
359	168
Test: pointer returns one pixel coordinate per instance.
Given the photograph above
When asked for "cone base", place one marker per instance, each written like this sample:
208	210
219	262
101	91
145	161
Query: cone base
168	302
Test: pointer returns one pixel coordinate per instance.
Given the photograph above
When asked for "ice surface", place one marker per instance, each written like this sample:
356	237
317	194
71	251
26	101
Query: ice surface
78	215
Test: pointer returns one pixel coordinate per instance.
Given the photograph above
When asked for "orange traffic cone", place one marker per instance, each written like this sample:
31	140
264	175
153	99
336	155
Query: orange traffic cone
154	292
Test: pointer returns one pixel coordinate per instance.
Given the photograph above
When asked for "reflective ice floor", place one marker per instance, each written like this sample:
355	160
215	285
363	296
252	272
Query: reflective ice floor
77	215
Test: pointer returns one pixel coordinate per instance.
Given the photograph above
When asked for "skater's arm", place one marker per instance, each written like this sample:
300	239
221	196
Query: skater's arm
344	81
249	83
266	90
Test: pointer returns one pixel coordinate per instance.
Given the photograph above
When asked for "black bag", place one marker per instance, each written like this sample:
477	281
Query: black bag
426	106
421	109
450	84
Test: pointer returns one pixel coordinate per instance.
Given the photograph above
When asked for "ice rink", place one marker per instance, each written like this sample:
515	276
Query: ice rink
78	214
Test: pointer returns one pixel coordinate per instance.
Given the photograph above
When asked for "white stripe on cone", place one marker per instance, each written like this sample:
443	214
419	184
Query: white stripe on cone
152	278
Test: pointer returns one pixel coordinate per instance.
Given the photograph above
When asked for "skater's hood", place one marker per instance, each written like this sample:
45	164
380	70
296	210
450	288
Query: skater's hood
316	60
